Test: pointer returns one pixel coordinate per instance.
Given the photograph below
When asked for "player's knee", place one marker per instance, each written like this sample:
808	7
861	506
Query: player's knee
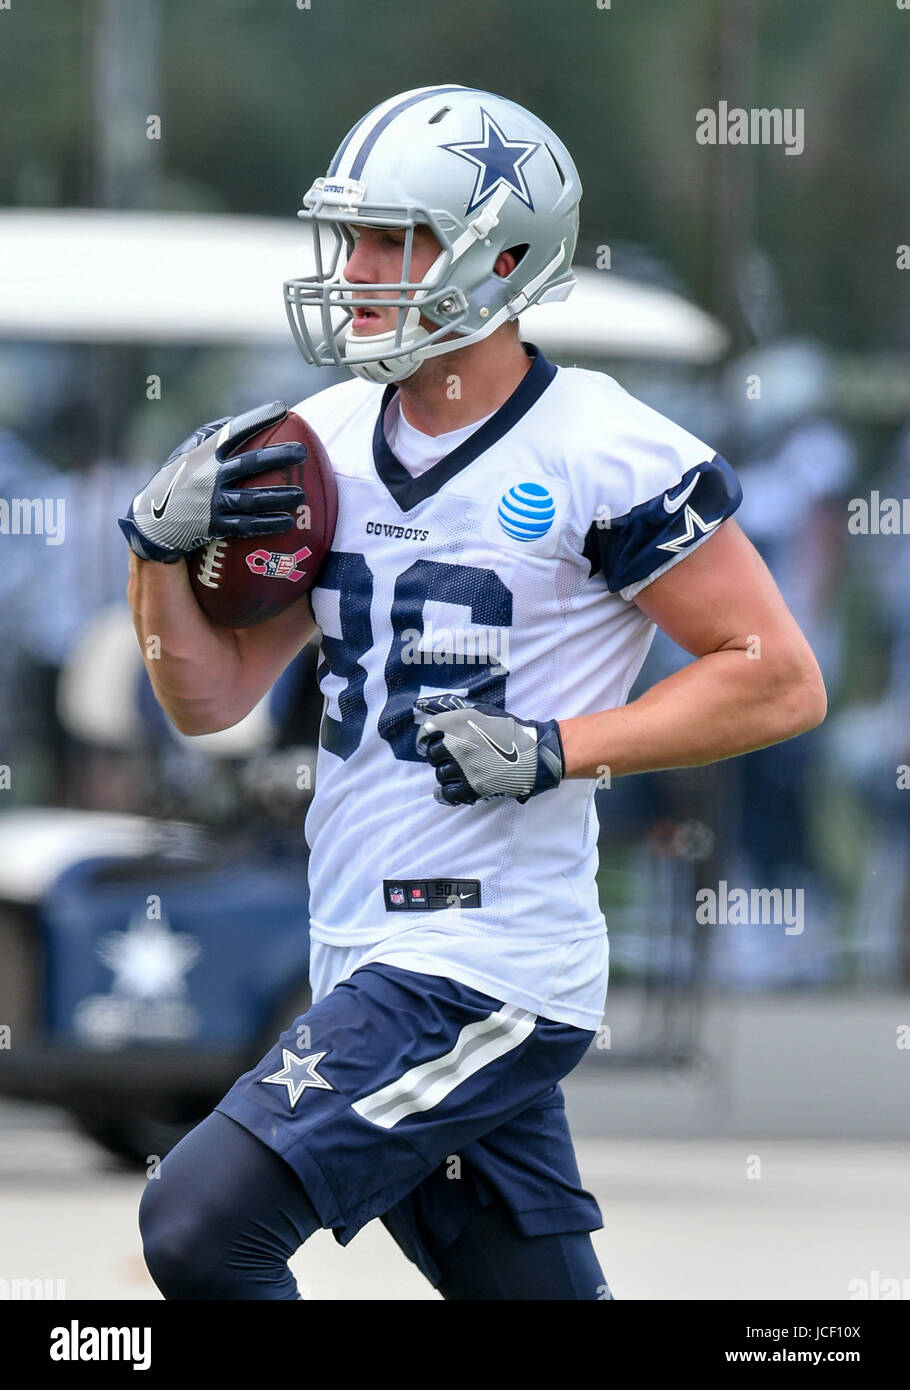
187	1241
174	1243
204	1243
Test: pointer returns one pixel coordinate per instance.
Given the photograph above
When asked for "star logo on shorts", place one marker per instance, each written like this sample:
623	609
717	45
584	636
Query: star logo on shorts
297	1074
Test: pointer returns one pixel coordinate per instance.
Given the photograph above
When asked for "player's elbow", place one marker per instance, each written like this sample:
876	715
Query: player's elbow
196	720
800	700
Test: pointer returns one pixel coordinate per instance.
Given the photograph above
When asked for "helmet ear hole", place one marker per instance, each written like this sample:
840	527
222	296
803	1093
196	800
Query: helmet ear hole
517	253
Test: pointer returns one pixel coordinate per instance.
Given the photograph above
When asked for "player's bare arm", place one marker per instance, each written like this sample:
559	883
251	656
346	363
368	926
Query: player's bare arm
205	677
208	677
755	680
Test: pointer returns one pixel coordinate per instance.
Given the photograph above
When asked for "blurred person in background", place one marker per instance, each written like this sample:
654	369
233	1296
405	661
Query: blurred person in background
59	570
797	464
869	742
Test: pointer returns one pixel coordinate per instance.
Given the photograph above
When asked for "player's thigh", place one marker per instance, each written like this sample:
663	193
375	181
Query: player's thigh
492	1260
512	1208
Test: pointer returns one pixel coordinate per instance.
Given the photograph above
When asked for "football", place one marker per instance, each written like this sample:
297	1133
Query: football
242	581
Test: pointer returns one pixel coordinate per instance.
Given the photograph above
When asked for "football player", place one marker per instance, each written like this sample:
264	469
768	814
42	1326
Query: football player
509	535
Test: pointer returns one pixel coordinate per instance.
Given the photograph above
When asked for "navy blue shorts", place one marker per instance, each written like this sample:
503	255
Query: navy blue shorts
417	1099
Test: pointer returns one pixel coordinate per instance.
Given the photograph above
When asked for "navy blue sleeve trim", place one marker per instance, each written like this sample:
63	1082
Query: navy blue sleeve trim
629	548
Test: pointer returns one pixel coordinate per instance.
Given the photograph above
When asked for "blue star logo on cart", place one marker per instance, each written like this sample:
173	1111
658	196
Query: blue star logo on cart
149	995
526	512
149	959
498	160
297	1074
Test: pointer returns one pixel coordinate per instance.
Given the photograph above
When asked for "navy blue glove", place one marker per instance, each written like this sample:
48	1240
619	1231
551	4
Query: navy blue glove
193	500
481	752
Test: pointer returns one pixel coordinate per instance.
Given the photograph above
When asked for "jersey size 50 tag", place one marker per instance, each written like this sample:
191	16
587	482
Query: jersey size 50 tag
430	894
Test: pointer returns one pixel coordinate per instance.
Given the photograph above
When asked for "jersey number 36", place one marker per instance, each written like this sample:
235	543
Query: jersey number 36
479	675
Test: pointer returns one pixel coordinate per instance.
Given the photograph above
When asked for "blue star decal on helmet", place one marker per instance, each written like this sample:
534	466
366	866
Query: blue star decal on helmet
297	1074
498	161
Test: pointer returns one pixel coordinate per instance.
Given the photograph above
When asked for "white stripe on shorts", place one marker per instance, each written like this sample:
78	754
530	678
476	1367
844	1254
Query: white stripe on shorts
425	1086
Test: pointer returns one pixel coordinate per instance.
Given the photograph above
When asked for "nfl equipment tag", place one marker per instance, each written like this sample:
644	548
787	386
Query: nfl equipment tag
430	895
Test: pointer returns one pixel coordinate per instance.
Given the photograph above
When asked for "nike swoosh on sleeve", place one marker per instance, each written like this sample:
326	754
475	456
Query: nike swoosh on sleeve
673	504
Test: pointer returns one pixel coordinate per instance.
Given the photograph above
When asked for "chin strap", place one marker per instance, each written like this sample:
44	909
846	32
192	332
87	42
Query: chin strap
396	368
382	373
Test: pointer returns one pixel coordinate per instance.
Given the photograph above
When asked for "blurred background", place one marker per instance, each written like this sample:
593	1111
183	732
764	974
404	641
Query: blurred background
153	923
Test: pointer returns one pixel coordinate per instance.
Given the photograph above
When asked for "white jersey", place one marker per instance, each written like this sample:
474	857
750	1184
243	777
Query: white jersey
503	573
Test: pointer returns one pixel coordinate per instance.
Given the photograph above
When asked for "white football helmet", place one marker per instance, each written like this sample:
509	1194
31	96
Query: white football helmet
486	176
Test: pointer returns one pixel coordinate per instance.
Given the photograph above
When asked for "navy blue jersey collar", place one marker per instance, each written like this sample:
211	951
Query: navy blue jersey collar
408	491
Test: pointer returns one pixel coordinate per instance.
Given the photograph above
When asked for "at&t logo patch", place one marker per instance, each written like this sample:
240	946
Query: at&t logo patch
526	512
